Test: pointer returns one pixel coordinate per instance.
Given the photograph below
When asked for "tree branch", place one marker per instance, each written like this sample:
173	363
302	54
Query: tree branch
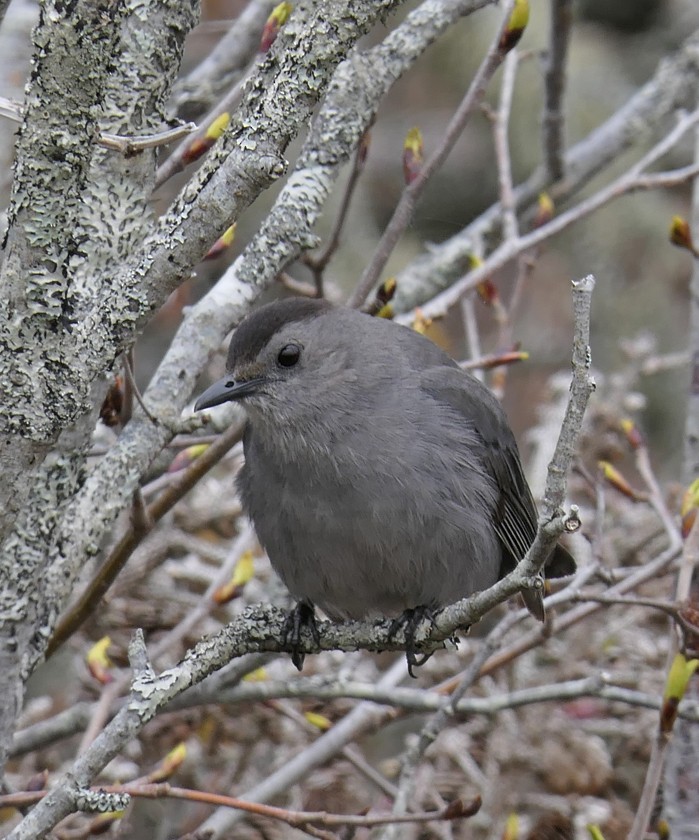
413	191
555	79
672	87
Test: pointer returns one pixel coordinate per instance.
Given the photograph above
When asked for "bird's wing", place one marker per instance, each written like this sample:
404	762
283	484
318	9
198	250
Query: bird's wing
515	516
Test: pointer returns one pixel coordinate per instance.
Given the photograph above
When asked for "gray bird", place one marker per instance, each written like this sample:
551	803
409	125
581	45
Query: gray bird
381	479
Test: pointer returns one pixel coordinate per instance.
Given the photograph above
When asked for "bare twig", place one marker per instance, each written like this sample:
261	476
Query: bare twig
554	79
672	87
298	287
318	262
663	739
657	501
177	162
581	389
494	360
414	700
681	799
86	604
363	717
296	819
666	361
197	92
573	616
413	191
501	122
473	339
691	436
131	391
132	145
242	543
441	719
632	180
117	142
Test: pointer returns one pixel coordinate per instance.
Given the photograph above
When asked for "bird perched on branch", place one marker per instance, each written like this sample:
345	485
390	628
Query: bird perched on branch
381	479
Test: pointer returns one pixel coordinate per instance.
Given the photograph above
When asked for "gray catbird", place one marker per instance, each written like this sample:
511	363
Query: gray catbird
381	478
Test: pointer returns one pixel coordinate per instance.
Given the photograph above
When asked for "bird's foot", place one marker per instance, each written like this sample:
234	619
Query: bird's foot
409	621
302	615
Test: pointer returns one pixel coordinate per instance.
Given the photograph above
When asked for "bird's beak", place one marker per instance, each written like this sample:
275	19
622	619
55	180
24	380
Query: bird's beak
227	390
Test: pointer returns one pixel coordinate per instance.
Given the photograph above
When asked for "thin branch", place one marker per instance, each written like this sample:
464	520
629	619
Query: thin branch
296	819
630	181
554	87
242	543
298	287
581	389
501	124
131	391
364	717
116	142
672	87
413	191
657	502
472	335
666	361
663	740
573	616
198	91
132	145
691	434
90	599
318	262
177	161
680	787
11	109
439	721
500	121
418	701
493	360
674	754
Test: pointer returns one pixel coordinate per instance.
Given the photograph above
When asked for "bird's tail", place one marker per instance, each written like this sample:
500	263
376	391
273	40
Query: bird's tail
561	563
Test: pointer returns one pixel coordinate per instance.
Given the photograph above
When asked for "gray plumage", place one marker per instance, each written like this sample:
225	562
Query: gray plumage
379	476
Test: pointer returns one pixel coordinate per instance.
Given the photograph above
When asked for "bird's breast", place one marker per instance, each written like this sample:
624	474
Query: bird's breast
360	535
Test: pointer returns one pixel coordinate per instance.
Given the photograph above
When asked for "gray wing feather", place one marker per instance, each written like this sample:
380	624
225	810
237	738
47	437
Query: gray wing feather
515	516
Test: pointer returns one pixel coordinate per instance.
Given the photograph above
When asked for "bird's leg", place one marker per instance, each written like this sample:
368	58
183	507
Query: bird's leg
302	615
409	621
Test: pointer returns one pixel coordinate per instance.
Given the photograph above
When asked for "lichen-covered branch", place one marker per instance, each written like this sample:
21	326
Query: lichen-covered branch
202	87
74	48
54	153
116	203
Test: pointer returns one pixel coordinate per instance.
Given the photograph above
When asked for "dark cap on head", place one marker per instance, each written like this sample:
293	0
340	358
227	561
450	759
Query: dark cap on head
259	326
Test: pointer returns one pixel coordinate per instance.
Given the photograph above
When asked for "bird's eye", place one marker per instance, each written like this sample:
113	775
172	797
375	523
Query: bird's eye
289	355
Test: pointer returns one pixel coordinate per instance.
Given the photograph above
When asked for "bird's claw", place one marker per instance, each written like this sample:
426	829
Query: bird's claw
409	621
302	615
